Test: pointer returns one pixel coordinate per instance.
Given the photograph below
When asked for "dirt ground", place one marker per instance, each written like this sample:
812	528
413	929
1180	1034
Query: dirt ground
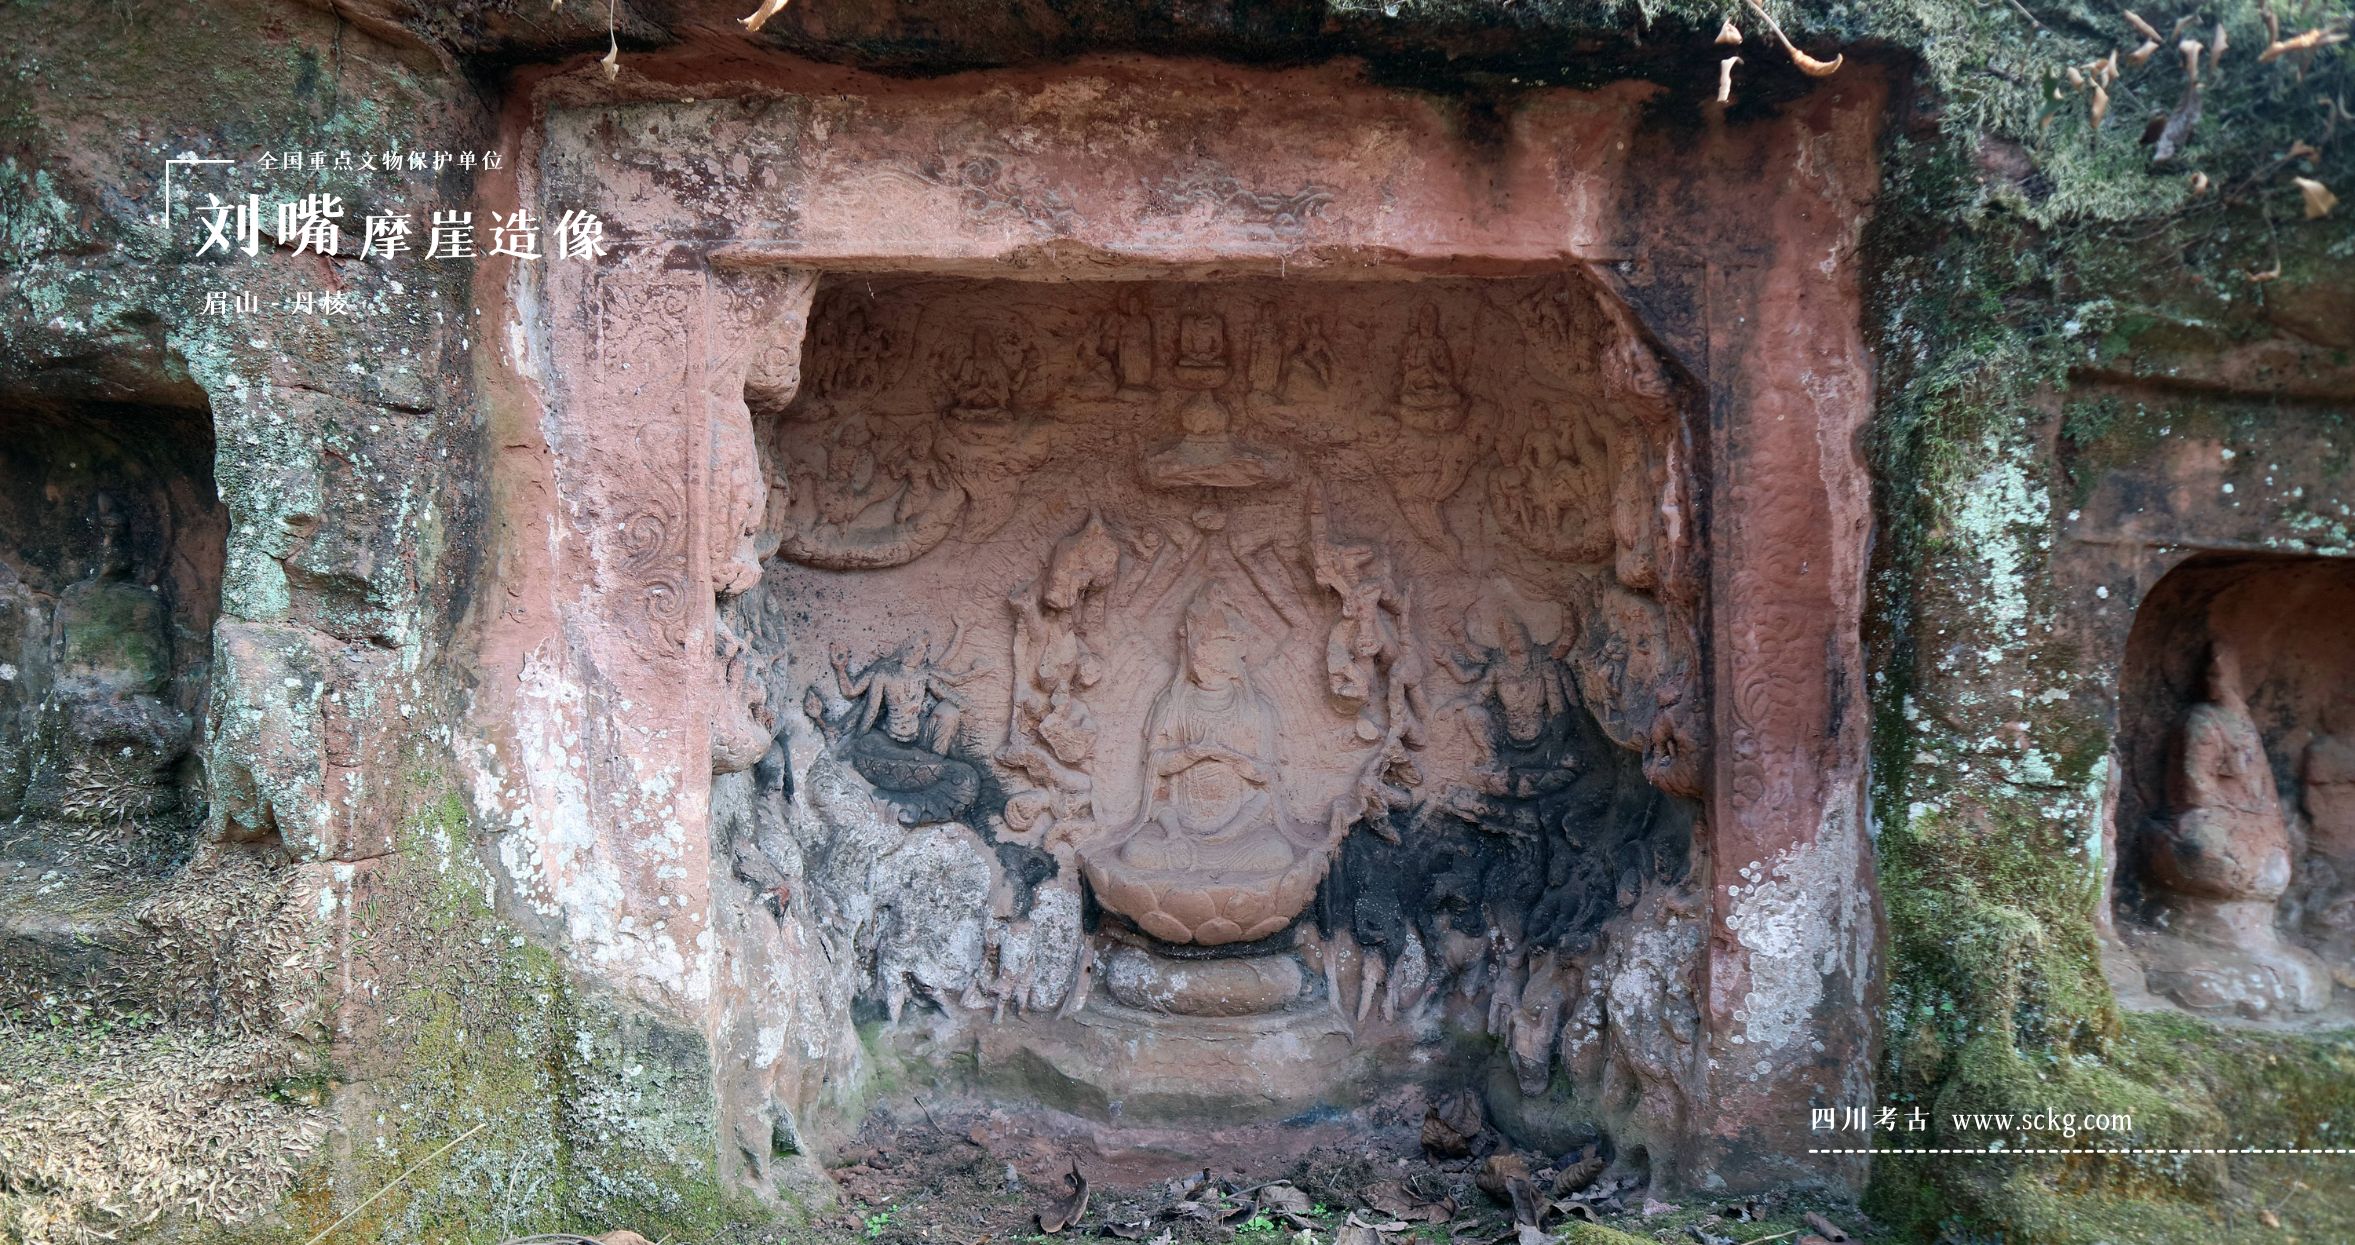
940	1173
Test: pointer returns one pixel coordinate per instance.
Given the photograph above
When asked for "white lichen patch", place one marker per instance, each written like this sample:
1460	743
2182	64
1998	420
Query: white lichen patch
1798	920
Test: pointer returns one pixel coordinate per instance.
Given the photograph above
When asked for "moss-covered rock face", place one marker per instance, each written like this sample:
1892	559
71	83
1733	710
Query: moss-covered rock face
2064	323
516	1098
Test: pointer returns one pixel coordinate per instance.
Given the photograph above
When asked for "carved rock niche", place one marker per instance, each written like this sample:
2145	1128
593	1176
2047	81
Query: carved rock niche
1254	676
2235	883
111	544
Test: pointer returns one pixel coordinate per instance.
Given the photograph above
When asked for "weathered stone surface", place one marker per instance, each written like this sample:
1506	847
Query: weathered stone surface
1182	590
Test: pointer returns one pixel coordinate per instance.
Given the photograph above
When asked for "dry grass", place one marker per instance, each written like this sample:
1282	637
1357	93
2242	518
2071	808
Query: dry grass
110	1131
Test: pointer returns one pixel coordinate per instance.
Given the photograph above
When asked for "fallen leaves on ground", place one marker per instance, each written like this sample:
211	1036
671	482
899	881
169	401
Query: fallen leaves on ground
1067	1210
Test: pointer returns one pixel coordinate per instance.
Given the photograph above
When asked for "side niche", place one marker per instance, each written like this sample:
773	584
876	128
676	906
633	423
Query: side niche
111	545
2235	820
1307	663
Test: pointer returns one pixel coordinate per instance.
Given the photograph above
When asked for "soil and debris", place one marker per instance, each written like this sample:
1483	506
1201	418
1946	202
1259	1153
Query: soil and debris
970	1174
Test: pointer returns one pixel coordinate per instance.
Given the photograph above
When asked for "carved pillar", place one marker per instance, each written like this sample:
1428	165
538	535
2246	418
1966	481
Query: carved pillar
1792	918
659	494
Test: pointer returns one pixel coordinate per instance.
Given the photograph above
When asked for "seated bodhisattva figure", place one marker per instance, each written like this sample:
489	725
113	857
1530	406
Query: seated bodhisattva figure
2220	865
1212	855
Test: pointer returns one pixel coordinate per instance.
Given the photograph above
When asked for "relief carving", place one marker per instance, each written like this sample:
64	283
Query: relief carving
1433	457
1213	855
1554	494
2220	865
1207	453
988	188
1283	215
1206	710
885	494
760	321
1051	739
903	718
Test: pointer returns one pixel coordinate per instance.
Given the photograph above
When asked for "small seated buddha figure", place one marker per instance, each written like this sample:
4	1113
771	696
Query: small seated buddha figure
2220	865
1212	855
1430	391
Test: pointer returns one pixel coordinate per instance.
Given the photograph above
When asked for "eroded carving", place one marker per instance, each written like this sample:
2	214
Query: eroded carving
1208	454
112	734
1213	855
1433	456
904	716
2221	864
1222	737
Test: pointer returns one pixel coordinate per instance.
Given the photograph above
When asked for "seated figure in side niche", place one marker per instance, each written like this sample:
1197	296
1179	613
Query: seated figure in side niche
115	738
905	712
1212	856
2220	865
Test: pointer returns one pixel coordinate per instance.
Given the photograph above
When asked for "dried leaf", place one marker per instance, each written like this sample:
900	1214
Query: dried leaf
2307	42
760	17
1814	68
2301	150
1579	1172
1725	78
2141	27
2319	199
1396	1201
612	60
1826	1228
1808	65
2101	106
1285	1198
1450	1125
2076	77
2199	184
1529	1206
1355	1233
2217	43
622	1236
2142	55
1497	1172
1067	1210
2191	49
1729	33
